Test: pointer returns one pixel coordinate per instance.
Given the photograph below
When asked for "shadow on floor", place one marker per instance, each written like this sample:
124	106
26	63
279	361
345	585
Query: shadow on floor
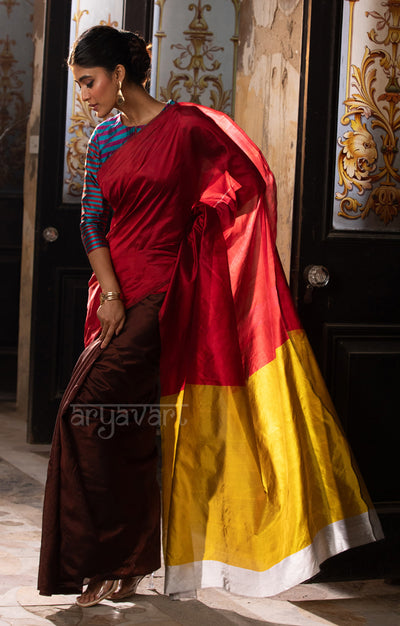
146	610
19	488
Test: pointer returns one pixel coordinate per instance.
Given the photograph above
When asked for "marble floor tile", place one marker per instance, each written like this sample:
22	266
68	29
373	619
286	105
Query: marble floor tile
106	613
338	590
261	610
29	596
17	566
18	616
369	612
13	447
205	611
22	512
19	487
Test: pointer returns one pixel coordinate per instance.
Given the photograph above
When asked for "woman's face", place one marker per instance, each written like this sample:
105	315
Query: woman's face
98	88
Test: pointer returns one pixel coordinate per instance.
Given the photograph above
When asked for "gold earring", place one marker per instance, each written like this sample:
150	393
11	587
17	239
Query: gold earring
120	95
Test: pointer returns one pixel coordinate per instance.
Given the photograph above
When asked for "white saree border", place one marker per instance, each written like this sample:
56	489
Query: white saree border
296	568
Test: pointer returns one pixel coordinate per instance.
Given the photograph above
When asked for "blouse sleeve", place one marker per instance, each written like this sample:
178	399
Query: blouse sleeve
95	209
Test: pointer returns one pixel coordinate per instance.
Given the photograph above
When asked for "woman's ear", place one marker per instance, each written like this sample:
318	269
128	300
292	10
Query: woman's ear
120	73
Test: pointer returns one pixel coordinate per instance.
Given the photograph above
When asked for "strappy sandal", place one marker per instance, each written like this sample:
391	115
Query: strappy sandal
120	593
104	591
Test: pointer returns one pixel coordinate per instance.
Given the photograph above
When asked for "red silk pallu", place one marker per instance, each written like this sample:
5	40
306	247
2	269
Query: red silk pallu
259	486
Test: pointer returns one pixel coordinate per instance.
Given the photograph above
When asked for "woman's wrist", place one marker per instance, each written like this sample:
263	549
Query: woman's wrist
106	296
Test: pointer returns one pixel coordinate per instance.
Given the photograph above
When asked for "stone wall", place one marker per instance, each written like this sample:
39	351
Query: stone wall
267	95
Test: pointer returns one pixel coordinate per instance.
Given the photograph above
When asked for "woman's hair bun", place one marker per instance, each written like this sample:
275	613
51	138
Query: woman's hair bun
105	46
139	58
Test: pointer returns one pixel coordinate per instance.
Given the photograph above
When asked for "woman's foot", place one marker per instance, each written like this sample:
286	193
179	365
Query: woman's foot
97	591
126	587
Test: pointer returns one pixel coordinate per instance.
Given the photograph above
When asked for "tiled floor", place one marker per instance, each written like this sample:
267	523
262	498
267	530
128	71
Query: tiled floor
22	476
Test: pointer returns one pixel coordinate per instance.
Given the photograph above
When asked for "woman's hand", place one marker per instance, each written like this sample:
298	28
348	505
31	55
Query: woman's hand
111	315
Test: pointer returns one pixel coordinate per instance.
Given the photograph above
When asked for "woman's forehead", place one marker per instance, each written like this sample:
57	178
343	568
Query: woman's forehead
81	73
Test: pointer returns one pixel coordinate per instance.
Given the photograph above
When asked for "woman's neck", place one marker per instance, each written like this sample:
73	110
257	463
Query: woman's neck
139	107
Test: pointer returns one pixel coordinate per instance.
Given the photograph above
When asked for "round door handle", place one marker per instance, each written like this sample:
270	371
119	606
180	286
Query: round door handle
50	234
316	276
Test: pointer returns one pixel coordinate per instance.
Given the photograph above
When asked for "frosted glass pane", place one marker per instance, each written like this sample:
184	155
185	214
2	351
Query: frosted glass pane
195	51
367	176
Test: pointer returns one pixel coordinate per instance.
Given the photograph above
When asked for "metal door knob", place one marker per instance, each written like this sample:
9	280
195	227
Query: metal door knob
316	276
50	234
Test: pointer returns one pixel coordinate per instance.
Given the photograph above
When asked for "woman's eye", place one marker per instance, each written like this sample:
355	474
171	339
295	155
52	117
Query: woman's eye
90	85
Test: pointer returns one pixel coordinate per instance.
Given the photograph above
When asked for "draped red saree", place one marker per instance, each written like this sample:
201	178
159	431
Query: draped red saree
259	486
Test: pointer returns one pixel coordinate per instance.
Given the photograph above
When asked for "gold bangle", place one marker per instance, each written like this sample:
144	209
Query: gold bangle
109	295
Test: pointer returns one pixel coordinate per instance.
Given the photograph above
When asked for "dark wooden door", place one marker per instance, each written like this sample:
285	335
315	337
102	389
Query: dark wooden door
61	269
354	321
10	261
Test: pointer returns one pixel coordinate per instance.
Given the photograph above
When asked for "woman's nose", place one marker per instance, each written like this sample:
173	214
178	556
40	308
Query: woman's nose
84	94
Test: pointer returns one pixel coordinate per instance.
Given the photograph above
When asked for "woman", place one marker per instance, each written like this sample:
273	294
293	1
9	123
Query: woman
259	486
